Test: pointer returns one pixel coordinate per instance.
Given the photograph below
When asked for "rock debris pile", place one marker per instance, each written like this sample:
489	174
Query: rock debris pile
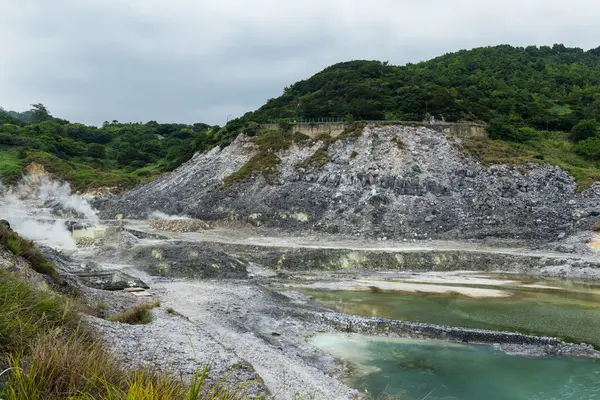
179	225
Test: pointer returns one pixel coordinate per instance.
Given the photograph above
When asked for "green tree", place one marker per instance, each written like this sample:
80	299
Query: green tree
589	148
39	113
96	150
584	129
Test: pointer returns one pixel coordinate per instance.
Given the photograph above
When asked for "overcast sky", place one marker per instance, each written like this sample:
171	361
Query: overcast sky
204	60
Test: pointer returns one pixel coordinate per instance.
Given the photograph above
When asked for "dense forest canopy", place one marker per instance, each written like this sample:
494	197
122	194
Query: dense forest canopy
542	102
541	87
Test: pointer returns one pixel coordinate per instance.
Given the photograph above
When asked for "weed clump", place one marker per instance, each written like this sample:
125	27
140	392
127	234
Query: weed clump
399	143
139	314
28	313
274	140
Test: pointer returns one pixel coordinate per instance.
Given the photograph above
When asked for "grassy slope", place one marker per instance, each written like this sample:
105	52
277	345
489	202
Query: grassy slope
553	148
80	175
47	354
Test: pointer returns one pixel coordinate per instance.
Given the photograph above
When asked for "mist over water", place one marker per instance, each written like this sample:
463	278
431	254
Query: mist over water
25	207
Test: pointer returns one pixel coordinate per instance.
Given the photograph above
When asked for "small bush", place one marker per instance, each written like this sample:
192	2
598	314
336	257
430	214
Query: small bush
170	310
299	137
139	314
353	155
589	148
596	227
273	140
285	125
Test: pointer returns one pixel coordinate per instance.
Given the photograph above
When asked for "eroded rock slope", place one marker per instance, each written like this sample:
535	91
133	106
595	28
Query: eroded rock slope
391	181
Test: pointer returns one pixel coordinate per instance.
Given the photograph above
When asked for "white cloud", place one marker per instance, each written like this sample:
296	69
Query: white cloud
201	60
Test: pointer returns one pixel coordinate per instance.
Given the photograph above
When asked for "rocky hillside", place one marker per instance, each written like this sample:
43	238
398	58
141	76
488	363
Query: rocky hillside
384	181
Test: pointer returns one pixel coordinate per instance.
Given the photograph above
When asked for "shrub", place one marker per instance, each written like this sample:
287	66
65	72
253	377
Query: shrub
285	125
252	128
504	129
584	129
273	140
354	129
589	148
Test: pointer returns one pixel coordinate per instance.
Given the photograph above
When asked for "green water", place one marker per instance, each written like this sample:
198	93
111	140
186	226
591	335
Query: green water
417	369
572	314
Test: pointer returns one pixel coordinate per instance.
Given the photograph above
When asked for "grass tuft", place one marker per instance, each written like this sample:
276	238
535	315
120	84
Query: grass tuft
399	142
27	313
140	314
273	140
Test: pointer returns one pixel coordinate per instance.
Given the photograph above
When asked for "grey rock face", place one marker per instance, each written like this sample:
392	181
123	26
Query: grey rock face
371	187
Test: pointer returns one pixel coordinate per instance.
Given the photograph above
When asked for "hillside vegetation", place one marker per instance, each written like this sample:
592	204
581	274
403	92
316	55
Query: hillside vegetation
115	154
540	104
49	352
546	87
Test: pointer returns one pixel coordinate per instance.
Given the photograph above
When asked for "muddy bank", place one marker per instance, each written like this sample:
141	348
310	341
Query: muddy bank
511	342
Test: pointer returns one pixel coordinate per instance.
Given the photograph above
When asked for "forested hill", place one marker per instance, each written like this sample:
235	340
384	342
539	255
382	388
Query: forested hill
541	87
115	154
540	103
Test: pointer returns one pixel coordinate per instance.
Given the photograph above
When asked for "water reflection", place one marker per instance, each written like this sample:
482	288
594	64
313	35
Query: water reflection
572	313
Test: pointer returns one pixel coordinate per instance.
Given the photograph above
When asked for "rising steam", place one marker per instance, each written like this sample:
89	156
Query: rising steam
36	207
